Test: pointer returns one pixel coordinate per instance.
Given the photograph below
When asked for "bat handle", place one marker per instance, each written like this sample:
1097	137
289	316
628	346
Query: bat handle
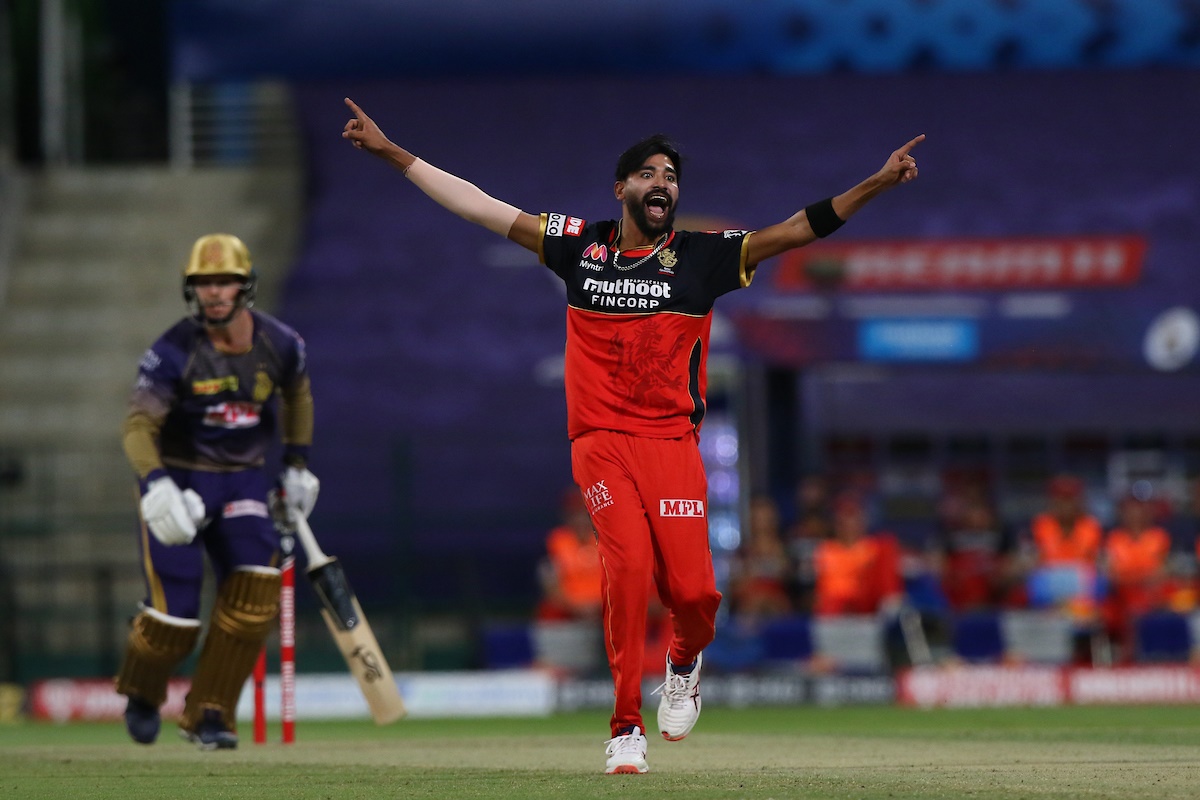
312	551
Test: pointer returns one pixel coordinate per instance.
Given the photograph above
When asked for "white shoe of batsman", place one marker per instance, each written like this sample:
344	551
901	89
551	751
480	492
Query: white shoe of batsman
679	707
626	754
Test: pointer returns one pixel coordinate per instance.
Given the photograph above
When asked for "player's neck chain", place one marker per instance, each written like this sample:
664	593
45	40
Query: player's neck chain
662	240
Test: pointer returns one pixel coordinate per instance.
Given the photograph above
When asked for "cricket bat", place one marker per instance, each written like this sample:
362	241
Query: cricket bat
350	630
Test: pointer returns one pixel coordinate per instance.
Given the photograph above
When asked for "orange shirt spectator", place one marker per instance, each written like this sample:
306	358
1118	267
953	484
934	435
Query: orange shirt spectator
856	572
571	573
1136	556
1076	543
1067	542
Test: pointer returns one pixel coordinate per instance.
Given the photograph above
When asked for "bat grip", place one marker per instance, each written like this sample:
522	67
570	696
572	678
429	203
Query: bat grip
312	551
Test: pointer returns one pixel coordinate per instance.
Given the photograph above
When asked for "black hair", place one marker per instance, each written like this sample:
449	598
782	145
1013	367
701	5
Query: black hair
635	157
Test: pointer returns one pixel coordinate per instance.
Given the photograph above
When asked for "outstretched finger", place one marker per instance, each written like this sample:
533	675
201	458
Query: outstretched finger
911	144
358	112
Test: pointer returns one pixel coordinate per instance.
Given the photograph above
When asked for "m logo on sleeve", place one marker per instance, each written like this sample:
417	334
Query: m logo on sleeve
681	508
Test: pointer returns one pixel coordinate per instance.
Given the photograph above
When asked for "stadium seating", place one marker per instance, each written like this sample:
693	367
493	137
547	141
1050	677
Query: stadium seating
978	637
853	643
1039	637
507	646
1162	636
787	638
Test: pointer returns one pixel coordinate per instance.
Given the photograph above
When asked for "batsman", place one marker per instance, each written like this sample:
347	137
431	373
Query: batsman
213	397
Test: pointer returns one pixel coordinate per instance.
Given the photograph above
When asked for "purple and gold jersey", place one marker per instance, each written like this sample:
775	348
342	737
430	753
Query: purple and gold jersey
638	330
218	411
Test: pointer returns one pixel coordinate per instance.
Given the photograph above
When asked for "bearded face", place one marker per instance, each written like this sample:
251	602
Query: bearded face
652	212
650	196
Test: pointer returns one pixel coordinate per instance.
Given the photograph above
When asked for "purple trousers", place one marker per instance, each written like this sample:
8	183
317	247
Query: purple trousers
240	532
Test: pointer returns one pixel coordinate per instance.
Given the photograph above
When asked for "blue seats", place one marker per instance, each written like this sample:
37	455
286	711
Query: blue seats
978	637
787	638
1162	636
507	646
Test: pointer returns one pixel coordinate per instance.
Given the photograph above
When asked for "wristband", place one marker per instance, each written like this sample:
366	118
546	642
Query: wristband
151	477
295	455
822	218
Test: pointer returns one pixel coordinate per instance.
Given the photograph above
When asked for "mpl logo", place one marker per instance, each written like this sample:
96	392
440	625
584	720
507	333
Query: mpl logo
681	508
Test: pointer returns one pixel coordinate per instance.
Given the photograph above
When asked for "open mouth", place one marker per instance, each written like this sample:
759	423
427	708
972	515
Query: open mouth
658	206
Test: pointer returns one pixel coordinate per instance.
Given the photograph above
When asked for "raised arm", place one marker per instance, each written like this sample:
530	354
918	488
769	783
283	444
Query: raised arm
824	217
453	193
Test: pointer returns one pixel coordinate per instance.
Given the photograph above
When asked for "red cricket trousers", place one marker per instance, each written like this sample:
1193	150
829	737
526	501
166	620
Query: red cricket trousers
648	502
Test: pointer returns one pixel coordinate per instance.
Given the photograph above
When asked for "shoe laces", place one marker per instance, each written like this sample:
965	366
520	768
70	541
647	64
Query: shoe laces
626	743
676	686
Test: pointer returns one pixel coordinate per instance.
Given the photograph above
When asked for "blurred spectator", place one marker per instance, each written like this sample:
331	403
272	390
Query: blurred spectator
857	572
570	573
1136	554
813	524
1066	544
758	575
977	557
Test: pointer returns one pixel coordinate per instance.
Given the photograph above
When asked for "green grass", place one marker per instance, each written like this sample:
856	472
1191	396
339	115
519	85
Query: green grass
860	753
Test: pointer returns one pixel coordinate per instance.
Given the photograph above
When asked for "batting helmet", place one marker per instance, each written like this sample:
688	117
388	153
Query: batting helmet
219	254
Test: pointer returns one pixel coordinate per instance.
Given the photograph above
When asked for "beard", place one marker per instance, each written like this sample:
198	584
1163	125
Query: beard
637	212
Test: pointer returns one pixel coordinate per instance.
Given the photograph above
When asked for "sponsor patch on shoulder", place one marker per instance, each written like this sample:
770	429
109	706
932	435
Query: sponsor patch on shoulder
680	508
562	225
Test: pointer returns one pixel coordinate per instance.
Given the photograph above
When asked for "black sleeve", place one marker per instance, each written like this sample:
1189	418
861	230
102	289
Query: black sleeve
720	257
562	239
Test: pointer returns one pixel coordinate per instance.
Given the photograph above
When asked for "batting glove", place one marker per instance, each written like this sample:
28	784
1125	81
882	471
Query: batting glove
170	514
300	488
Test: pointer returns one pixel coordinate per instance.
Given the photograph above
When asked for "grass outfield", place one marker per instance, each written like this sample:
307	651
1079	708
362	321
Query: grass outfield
860	753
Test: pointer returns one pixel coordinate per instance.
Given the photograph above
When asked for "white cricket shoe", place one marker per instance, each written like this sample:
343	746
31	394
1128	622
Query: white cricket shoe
627	754
679	707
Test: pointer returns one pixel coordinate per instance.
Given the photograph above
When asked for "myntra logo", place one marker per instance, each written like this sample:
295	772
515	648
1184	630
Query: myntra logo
681	508
596	252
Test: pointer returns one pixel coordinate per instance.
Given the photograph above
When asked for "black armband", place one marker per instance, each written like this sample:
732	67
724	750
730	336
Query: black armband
822	218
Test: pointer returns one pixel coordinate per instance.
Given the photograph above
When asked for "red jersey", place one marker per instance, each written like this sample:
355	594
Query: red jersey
637	331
